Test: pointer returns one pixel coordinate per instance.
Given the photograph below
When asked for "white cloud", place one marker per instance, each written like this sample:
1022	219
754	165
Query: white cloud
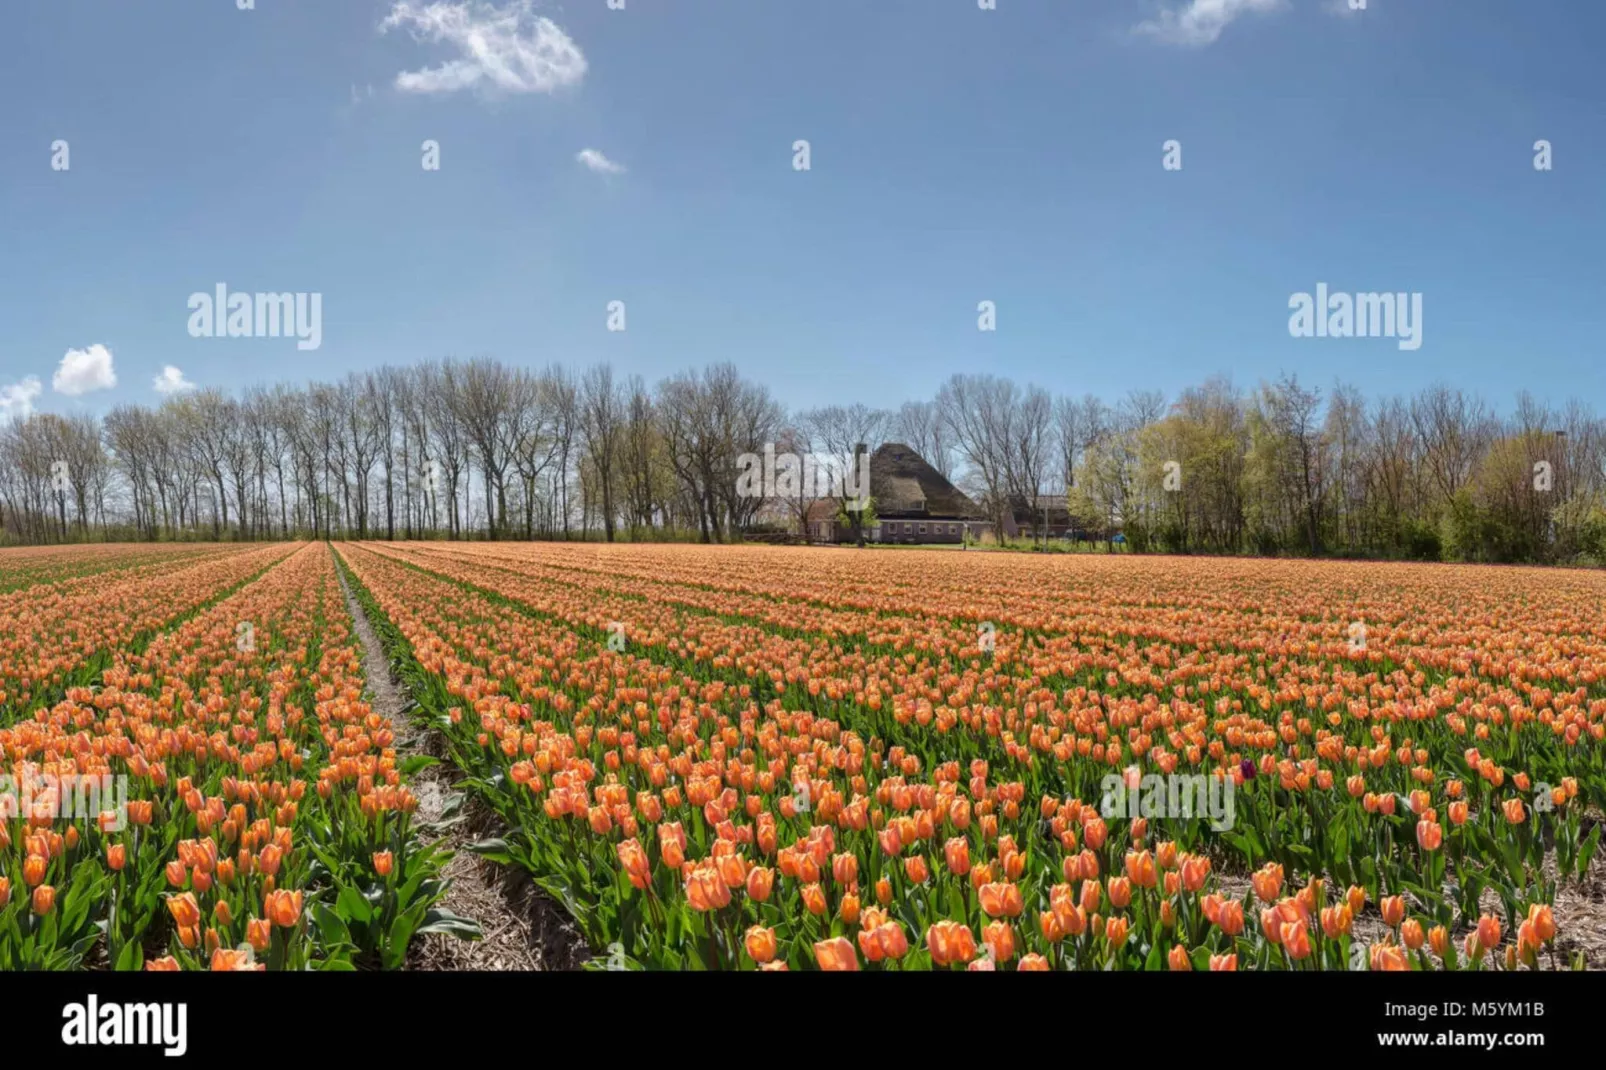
85	370
1200	22
507	48
16	399
171	381
599	163
1342	7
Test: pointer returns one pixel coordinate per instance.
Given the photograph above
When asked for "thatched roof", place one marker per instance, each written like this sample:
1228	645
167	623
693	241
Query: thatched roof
904	485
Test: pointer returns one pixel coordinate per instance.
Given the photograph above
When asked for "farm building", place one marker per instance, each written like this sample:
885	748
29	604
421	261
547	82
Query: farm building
914	503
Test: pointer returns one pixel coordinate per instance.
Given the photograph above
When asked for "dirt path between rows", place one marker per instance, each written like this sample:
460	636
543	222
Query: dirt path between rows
523	929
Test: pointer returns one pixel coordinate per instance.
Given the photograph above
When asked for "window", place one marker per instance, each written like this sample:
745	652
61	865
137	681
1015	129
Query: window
922	529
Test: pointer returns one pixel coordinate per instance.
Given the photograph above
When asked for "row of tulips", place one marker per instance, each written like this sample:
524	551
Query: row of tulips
64	566
721	804
61	635
1447	618
267	825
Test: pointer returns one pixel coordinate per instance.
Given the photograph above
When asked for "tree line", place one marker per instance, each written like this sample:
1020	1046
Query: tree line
478	448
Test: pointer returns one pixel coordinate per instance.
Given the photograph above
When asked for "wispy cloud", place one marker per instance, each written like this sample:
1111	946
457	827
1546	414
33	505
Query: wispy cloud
1196	23
599	163
171	381
16	399
504	49
83	371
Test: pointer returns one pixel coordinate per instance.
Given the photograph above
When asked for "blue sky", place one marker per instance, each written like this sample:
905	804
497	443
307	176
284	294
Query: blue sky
958	155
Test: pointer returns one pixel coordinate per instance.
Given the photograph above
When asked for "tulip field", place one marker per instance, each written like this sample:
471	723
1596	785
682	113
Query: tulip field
781	758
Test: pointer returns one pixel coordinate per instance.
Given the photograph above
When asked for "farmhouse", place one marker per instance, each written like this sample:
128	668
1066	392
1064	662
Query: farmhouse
913	504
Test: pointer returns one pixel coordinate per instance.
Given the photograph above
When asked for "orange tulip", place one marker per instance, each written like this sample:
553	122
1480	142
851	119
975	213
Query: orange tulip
384	861
1268	882
225	961
1388	958
732	868
956	853
760	880
1000	900
1140	868
672	844
1295	939
836	955
705	889
884	941
1230	918
116	857
1393	909
185	910
1195	868
1033	963
761	944
1543	920
1429	835
259	933
950	942
1488	931
44	898
1000	939
1177	959
283	908
1527	943
1223	963
1094	833
891	840
632	859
